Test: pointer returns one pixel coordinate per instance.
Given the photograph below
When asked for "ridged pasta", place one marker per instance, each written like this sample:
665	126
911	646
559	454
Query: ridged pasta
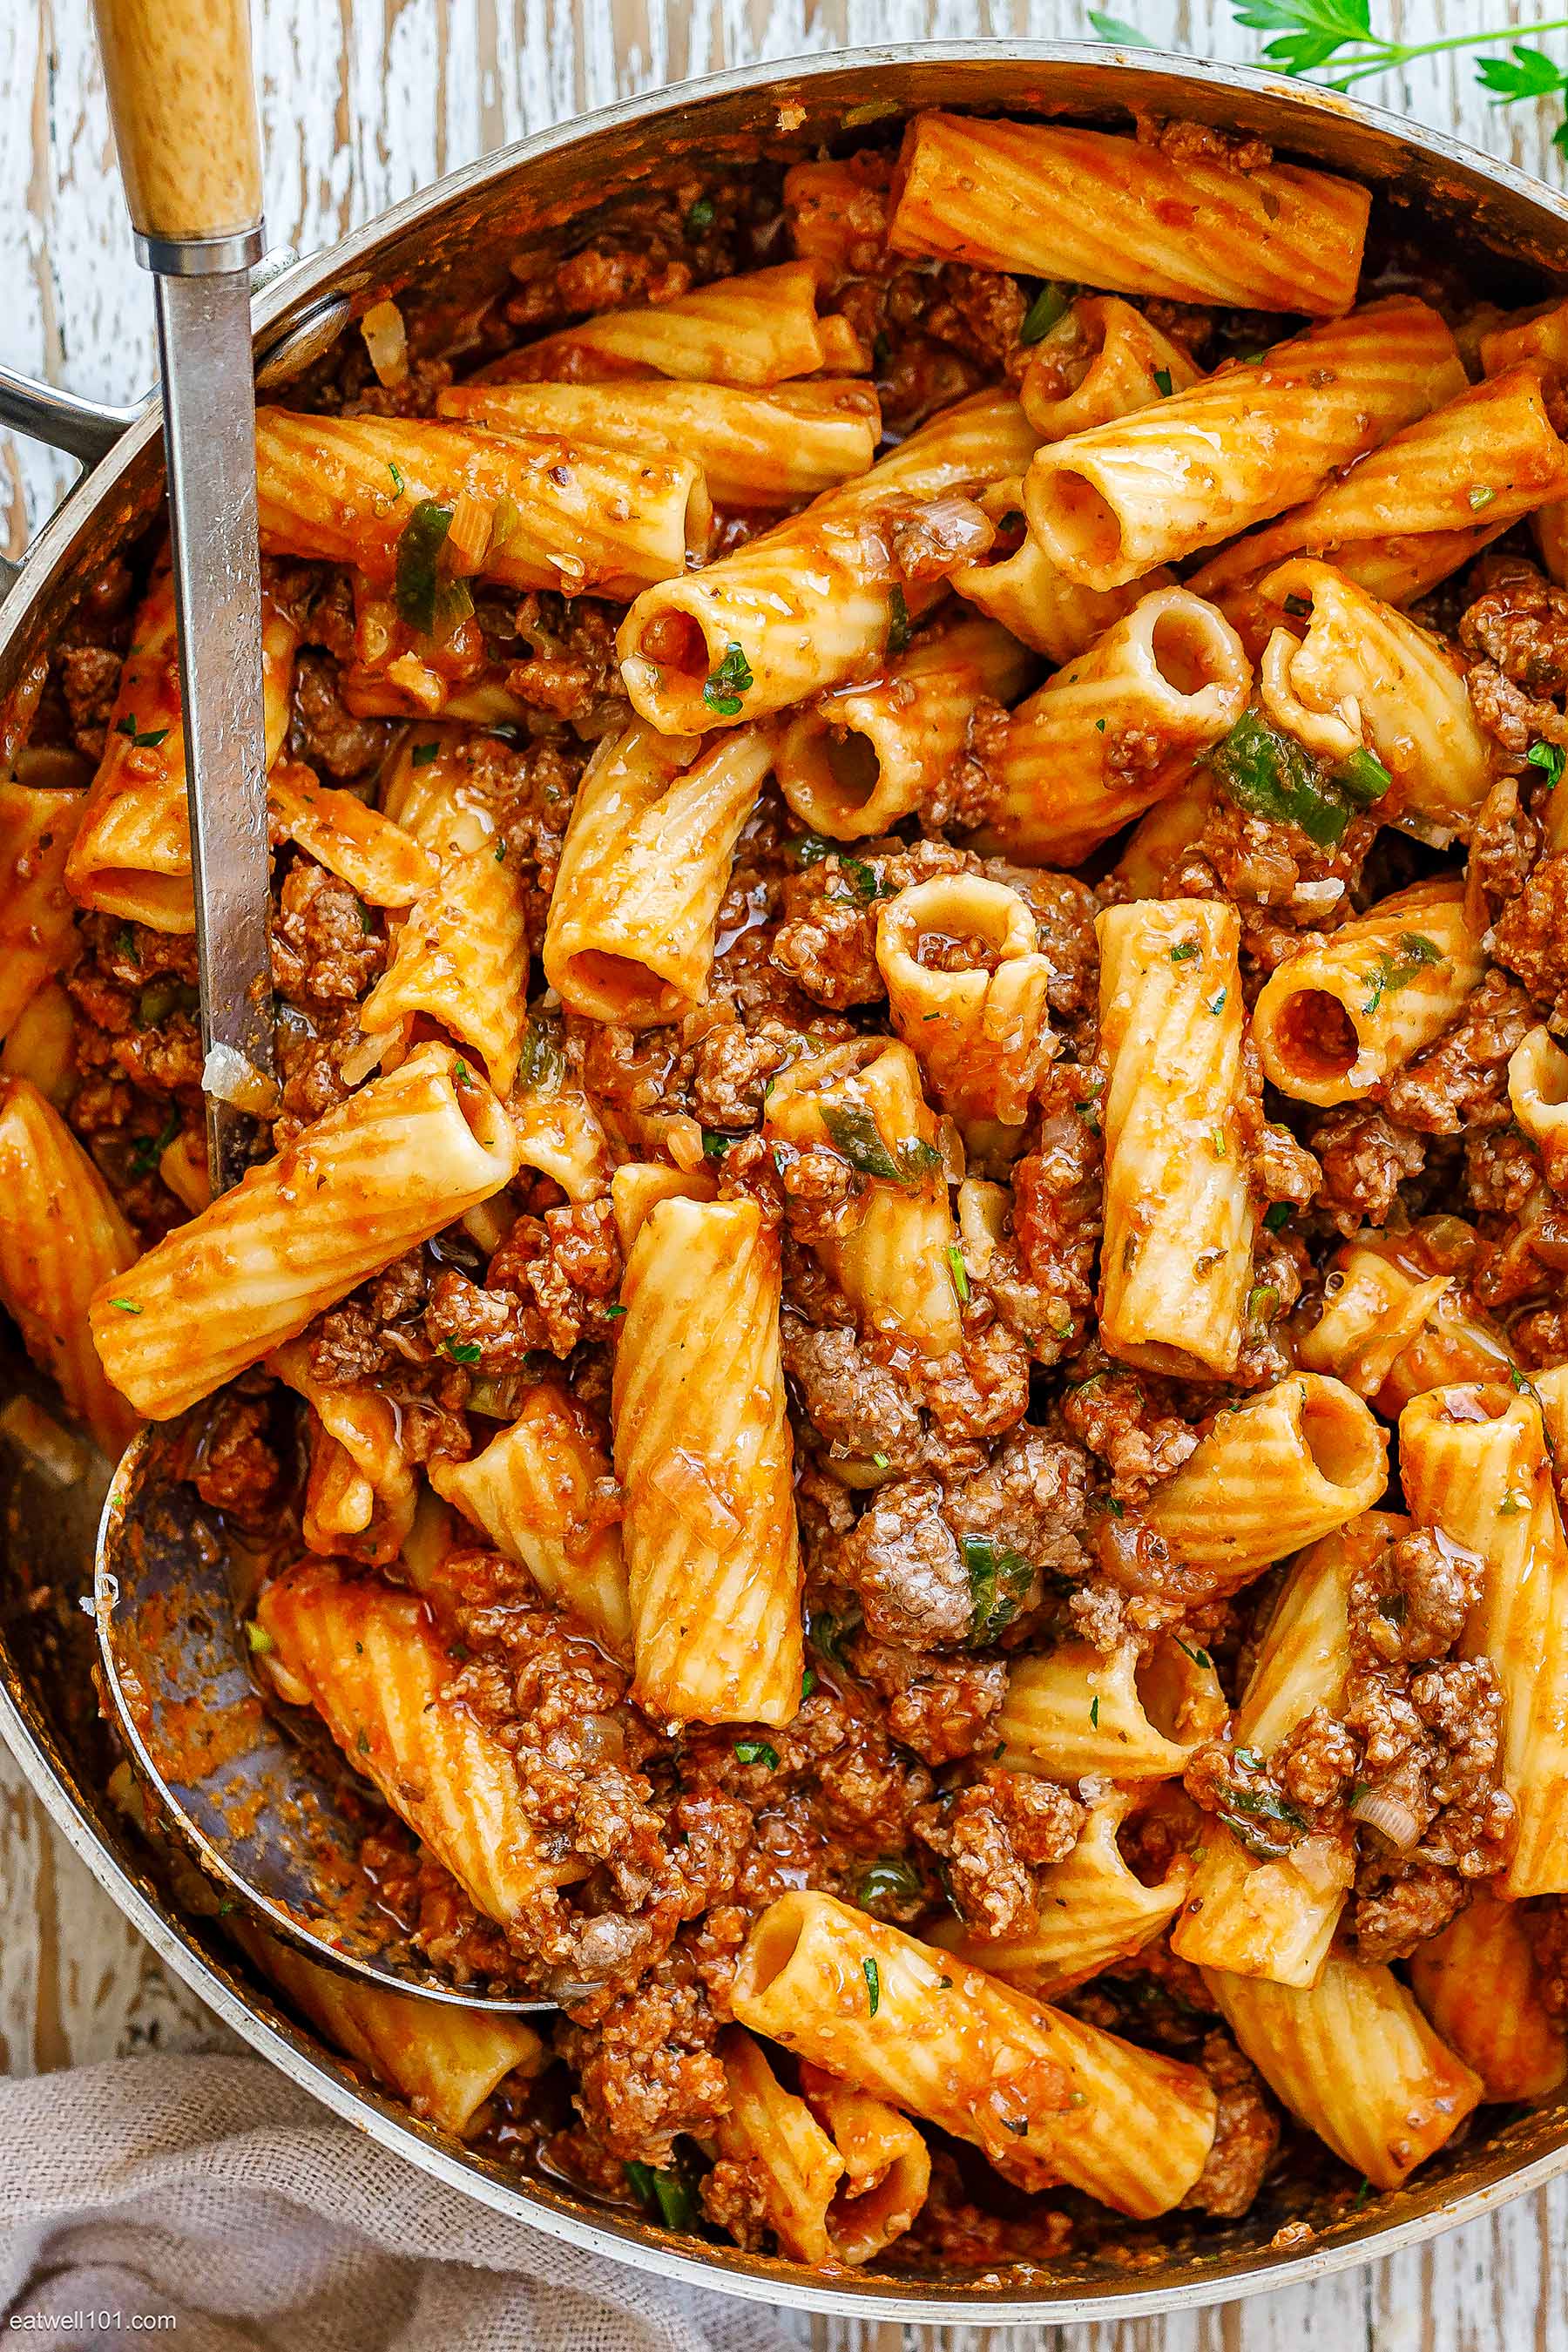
381	864
365	1512
131	854
1175	1264
886	2166
1055	201
1045	2097
1074	1709
1540	342
1538	1096
865	1101
1024	591
1114	730
370	1660
1274	1915
981	1031
704	1459
1353	2058
576	516
37	917
630	936
461	957
61	1235
771	447
817	599
1476	1467
1337	1019
1093	1910
40	1044
855	760
1373	1310
1270	1475
1478	1984
374	1176
761	329
1246	442
532	1492
1103	359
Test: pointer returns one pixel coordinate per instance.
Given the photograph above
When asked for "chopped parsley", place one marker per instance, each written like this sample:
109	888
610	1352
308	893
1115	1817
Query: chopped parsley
363	1743
148	741
423	753
427	599
461	1351
1390	973
126	1306
614	1314
757	1751
125	944
1163	382
1510	1506
1183	951
1250	1808
827	1634
1000	1581
461	1075
873	1977
728	683
699	216
1052	302
898	620
150	1149
1216	1005
1094	1710
1479	495
398	484
714	1145
854	1131
1277	1215
958	1274
1548	758
260	1639
807	1684
1198	1657
1262	1303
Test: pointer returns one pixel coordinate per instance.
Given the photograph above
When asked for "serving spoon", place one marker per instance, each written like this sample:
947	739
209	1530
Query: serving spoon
275	1813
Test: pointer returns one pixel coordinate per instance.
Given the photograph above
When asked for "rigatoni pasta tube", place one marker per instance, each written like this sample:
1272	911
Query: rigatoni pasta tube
886	2166
575	516
789	2159
761	328
365	1428
1072	1710
854	762
445	2060
1270	1475
1355	2061
1478	1983
1103	359
756	448
37	917
1022	589
1093	1910
1477	1468
1046	2099
1373	1311
1542	343
461	957
1359	673
1177	1259
1538	1096
372	1177
1339	1018
1441	487
381	864
815	600
630	936
369	1658
1248	441
131	852
1115	729
703	1456
61	1234
533	1491
981	1030
1274	1915
894	1264
1055	201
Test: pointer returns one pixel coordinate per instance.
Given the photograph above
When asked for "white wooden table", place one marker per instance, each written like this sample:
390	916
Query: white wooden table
362	102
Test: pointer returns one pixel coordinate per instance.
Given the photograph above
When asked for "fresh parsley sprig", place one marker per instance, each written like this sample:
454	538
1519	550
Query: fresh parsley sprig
1311	36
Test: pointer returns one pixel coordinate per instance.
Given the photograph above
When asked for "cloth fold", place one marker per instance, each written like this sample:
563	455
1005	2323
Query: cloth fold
212	2191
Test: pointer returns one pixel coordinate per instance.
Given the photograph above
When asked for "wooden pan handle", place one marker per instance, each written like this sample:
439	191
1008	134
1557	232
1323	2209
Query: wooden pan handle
184	107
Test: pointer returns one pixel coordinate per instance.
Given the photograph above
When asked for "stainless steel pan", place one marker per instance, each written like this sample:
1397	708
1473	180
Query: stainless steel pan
447	245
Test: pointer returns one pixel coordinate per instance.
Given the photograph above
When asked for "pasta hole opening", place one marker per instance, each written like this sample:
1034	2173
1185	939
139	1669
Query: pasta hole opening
615	988
1085	525
674	642
852	764
1188	652
1339	1442
1316	1039
775	1942
1178	1694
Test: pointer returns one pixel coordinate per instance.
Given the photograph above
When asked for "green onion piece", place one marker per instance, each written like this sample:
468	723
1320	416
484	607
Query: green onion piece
1362	778
957	1273
260	1639
1269	774
757	1751
873	1985
699	216
1548	757
416	585
461	1351
422	754
1052	302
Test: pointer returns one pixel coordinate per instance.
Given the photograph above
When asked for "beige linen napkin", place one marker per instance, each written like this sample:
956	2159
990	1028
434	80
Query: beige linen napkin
211	2191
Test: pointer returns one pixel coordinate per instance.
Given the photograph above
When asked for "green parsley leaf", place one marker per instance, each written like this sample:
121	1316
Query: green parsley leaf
898	621
1052	302
1216	1005
1198	1657
398	484
1277	1215
852	1130
1183	951
807	1684
126	1306
461	1351
422	754
714	1145
957	1273
614	1314
1094	1710
699	216
1163	382
757	1751
1000	1580
150	1149
1548	758
873	1985
260	1639
1390	973
141	742
728	683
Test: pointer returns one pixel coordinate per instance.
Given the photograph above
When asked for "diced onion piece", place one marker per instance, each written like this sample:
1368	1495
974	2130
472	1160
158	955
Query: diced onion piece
386	340
57	1453
230	1077
687	1488
469	535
